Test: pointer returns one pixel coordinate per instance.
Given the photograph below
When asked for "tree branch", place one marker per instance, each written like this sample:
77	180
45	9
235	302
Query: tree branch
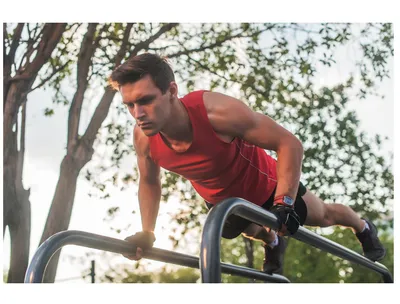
223	77
164	48
209	70
30	48
52	34
96	43
15	42
9	58
55	71
5	38
145	44
124	45
98	117
85	55
213	45
102	109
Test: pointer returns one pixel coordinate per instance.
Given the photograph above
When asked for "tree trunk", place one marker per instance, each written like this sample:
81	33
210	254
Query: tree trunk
61	208
79	154
16	205
18	209
20	232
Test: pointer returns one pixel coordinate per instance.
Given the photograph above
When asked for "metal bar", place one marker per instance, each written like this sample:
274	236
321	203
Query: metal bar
210	250
93	271
37	267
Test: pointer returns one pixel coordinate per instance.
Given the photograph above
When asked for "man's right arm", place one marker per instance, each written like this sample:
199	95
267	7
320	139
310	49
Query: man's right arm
149	182
149	195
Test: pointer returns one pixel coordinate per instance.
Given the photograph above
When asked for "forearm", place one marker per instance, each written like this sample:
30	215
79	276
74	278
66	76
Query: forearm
149	202
289	164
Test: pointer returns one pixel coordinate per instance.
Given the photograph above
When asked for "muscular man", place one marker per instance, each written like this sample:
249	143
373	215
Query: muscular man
218	144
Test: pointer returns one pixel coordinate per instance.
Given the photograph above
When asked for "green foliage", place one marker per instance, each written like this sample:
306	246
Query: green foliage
306	264
233	252
181	275
176	275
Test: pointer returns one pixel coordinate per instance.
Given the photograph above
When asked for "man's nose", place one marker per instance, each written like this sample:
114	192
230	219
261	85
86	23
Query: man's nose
139	112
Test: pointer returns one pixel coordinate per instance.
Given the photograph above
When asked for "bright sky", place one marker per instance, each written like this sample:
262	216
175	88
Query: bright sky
43	160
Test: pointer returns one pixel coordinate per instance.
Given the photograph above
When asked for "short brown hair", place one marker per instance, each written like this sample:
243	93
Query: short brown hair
141	65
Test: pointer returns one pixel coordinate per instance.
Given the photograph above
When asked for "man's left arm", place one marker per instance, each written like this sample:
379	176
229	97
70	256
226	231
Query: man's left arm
230	116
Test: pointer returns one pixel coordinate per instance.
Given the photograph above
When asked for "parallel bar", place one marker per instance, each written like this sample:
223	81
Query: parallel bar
210	250
37	267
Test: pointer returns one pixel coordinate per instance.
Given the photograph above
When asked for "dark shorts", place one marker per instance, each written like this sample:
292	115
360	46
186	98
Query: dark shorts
235	225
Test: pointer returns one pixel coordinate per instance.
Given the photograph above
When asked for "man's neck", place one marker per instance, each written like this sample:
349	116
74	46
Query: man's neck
178	128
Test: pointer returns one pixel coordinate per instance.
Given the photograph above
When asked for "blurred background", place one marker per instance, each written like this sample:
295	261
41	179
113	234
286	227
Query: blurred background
69	161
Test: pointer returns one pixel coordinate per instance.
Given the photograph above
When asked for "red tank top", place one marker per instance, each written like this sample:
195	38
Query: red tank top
217	170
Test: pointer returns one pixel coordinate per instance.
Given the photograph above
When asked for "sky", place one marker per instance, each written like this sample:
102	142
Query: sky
42	166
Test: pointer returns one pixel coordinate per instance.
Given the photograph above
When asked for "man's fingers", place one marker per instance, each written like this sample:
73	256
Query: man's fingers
135	257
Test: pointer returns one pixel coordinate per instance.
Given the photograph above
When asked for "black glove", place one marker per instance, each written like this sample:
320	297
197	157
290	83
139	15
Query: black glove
287	216
142	239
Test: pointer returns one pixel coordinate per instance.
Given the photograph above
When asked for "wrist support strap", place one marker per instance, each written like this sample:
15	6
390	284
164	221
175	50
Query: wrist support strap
284	200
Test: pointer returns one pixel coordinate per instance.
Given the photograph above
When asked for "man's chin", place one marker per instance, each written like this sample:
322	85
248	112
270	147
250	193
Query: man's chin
149	132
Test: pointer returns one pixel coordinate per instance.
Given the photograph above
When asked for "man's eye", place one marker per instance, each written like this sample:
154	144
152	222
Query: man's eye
130	105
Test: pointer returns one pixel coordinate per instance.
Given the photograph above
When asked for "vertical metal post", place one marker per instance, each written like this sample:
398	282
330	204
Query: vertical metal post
92	272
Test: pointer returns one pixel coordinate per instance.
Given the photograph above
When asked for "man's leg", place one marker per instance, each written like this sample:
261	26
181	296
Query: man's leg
325	215
258	233
274	247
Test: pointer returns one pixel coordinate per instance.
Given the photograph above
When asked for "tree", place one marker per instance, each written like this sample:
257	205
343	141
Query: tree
20	72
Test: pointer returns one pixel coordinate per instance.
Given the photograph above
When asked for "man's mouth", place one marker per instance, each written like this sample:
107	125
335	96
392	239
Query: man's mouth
145	124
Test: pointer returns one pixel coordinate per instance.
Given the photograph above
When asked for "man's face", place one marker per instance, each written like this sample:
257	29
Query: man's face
146	104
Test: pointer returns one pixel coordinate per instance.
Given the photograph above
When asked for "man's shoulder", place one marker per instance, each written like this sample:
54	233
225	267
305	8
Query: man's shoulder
213	101
194	94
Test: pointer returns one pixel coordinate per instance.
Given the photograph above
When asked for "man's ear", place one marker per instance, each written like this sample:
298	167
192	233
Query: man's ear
173	89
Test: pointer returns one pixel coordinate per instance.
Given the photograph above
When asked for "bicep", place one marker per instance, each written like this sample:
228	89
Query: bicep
266	133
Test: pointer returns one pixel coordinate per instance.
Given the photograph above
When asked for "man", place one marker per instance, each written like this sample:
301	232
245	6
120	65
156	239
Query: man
218	144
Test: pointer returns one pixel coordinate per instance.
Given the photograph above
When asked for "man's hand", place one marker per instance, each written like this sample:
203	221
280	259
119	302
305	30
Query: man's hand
143	240
288	219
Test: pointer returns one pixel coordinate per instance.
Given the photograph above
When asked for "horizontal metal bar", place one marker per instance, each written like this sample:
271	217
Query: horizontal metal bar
37	267
212	233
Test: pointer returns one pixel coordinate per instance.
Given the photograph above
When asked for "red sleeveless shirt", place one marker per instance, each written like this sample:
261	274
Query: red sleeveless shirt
217	170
